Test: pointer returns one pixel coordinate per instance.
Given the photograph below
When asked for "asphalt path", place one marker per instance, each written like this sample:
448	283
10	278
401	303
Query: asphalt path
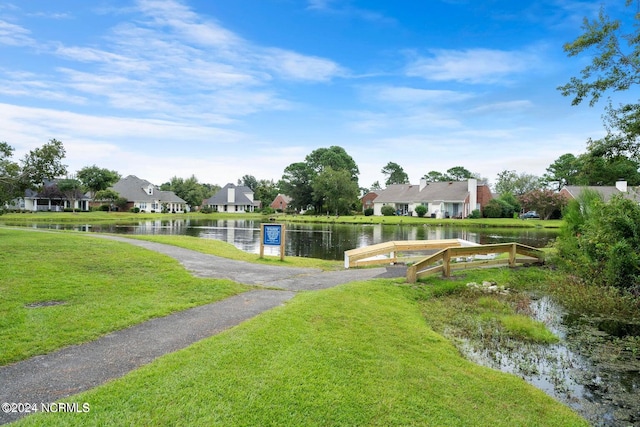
54	376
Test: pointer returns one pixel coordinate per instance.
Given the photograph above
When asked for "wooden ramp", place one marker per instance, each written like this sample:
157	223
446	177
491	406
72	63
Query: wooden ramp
456	258
387	252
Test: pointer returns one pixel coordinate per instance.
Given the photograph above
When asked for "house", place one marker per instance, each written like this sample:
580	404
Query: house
367	200
147	197
233	198
281	202
607	191
448	199
50	198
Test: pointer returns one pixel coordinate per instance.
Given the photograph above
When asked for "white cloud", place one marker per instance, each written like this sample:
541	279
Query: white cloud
14	35
410	95
471	65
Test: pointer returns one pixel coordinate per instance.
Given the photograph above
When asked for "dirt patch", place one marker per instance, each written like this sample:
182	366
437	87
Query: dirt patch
39	304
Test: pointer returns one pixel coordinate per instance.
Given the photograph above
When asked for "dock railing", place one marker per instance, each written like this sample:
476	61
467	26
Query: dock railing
456	258
387	252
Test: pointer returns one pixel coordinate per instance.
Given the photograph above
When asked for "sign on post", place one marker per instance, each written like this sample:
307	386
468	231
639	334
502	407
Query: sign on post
272	235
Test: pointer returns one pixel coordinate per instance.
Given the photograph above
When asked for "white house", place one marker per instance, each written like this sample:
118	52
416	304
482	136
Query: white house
448	199
233	198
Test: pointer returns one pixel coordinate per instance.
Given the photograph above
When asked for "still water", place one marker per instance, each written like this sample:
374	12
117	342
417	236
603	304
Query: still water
324	241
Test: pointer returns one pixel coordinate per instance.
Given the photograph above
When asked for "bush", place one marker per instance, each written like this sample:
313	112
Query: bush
103	208
475	214
388	210
134	210
368	212
600	242
421	210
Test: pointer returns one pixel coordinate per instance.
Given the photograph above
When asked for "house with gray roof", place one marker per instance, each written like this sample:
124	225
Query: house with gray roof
606	191
147	197
233	198
449	199
49	198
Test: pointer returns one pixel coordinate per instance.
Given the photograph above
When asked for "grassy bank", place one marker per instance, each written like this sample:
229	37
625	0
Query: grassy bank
358	354
59	289
102	217
227	250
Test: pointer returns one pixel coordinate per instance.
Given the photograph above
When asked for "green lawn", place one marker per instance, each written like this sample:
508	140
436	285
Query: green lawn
355	355
58	289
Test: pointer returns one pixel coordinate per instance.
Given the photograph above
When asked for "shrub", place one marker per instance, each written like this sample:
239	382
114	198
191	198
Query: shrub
388	210
475	214
368	212
135	209
421	210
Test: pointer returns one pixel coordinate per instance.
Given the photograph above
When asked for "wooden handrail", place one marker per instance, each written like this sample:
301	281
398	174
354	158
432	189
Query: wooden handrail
420	269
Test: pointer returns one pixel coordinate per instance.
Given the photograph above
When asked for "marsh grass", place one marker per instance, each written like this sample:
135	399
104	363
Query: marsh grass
59	289
358	354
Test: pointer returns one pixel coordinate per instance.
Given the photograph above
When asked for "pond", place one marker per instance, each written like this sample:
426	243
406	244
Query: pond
595	368
324	241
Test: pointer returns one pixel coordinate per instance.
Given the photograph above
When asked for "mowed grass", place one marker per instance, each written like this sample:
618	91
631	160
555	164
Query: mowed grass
58	289
356	355
227	250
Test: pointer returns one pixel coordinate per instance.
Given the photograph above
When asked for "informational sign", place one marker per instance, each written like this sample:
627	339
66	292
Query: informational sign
272	235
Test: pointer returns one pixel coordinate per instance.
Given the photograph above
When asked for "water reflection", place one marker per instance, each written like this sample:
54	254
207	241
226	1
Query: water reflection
324	241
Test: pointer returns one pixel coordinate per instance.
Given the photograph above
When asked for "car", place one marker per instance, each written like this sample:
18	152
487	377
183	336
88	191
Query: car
529	215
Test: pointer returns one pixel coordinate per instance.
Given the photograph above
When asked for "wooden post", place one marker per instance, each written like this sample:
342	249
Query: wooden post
512	255
446	263
412	274
274	236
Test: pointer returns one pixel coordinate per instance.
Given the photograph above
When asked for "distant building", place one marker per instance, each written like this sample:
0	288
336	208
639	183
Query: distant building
281	202
233	198
367	200
607	191
448	199
147	197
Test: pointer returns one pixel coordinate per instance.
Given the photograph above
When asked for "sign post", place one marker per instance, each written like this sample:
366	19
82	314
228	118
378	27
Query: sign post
272	235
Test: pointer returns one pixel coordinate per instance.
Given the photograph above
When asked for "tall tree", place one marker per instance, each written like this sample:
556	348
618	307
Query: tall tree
189	190
614	53
95	179
511	182
44	163
72	190
336	189
459	173
435	176
334	157
249	181
395	174
296	183
563	171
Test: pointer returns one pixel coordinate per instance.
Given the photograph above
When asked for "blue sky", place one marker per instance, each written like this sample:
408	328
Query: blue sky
222	89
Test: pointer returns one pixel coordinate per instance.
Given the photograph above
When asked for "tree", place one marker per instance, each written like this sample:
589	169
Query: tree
335	158
107	195
296	183
435	176
545	202
614	67
337	190
395	174
266	191
44	163
71	188
95	179
458	173
298	179
563	171
190	190
510	182
249	181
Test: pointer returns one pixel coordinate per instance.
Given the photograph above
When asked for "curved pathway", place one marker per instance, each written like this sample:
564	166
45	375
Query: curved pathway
47	378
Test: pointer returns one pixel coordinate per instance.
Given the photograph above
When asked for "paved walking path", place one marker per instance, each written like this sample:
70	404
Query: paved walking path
78	368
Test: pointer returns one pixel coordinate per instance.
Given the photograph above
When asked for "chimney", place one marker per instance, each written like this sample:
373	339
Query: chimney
423	183
231	194
621	185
